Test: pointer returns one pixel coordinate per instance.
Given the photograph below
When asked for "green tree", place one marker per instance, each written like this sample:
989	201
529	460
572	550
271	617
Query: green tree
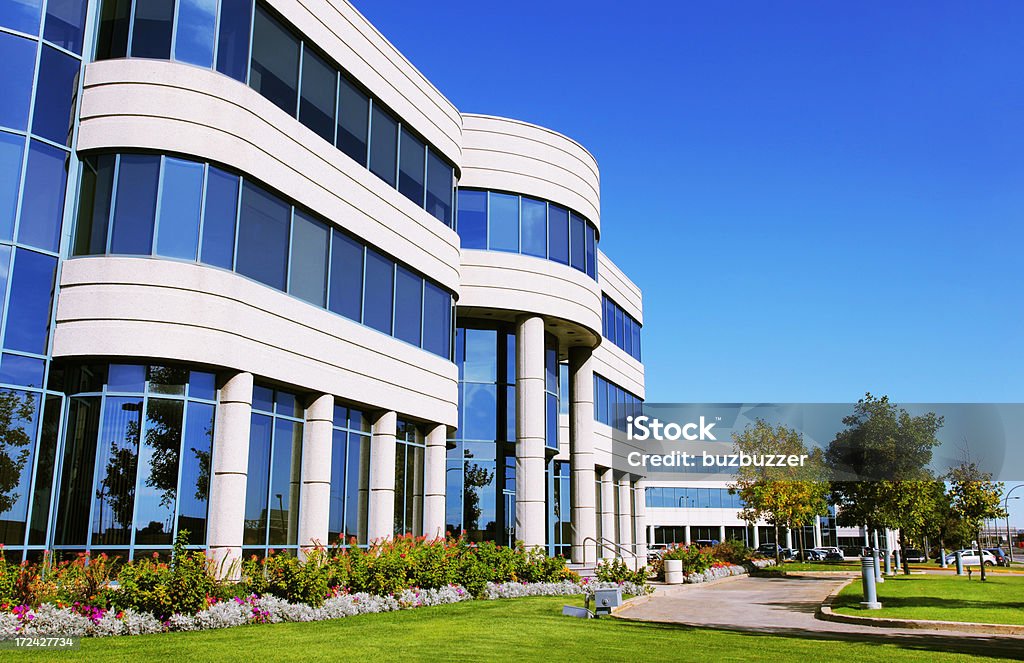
974	499
879	468
782	496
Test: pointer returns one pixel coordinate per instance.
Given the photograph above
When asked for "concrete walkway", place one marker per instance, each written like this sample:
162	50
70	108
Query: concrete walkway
786	607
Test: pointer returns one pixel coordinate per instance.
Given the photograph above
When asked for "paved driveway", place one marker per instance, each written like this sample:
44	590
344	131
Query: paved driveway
786	606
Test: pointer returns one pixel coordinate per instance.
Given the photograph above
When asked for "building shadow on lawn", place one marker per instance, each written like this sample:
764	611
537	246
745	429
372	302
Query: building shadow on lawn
987	646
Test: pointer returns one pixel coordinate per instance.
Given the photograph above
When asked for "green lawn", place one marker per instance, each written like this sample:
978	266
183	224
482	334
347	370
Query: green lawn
810	566
999	600
518	629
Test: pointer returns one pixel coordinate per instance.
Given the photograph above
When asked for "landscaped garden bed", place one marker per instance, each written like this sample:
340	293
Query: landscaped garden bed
695	564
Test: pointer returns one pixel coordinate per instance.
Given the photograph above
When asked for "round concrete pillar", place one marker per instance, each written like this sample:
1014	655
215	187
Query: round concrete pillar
434	482
229	473
581	454
315	495
607	514
640	521
530	430
625	516
381	521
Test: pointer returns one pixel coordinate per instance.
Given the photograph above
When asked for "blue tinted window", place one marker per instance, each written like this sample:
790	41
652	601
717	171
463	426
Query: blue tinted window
219	218
57	75
5	270
285	404
28	313
408	305
346	276
558	234
151	30
636	341
319	94
129	378
202	385
383	145
95	189
258	479
577	238
11	152
437	320
410	167
158	469
535	227
591	253
21	15
353	120
194	36
263	237
380	276
503	218
262	398
284	482
181	200
19	58
233	38
26	371
195	471
336	511
309	259
43	203
65	21
275	61
135	208
480	363
440	185
472	221
112	41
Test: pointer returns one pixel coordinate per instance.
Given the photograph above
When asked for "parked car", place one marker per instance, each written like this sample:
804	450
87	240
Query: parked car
1001	558
915	556
705	543
972	557
768	550
830	553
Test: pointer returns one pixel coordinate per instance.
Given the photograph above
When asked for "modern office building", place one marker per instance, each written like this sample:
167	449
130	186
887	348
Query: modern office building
262	281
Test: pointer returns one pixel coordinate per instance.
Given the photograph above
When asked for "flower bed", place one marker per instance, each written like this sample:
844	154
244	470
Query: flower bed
721	570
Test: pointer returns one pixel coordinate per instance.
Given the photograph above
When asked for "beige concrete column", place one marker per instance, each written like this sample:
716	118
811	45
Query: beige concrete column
530	429
229	472
315	495
817	531
757	536
382	477
640	521
607	514
625	515
434	482
686	535
581	454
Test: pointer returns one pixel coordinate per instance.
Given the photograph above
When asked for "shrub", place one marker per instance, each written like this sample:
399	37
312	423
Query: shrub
694	559
733	552
615	570
287	577
149	585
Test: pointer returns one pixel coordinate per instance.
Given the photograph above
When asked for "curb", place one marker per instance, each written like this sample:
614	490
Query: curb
824	612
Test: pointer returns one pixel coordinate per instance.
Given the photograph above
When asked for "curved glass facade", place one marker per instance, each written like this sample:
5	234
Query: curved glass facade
620	328
692	498
612	403
148	204
498	221
409	452
350	477
245	40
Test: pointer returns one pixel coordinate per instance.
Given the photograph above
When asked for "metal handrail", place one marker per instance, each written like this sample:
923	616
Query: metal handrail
604	543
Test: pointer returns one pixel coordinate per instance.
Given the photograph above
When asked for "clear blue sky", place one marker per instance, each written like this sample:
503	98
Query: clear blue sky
818	199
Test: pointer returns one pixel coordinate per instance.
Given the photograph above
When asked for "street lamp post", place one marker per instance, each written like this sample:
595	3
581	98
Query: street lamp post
1006	508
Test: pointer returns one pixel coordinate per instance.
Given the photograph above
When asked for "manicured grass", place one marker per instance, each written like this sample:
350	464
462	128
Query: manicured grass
809	566
999	600
518	629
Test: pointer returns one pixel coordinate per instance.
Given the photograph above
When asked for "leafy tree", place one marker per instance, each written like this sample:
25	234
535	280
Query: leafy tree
783	496
975	498
879	468
474	480
16	412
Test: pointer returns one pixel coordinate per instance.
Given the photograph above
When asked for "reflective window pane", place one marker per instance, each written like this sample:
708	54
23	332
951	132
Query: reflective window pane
353	120
65	22
591	253
28	311
262	398
76	491
219	218
11	152
42	206
357	483
21	15
285	482
257	482
336	509
383	145
21	370
116	460
17	448
95	190
440	187
112	41
577	243
263	237
202	385
158	473
437	320
275	61
196	453
535	227
503	220
410	167
558	234
481	360
135	209
151	29
126	378
480	412
5	271
233	38
408	305
19	57
319	83
194	34
309	259
167	380
380	276
346	276
181	201
45	466
472	221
